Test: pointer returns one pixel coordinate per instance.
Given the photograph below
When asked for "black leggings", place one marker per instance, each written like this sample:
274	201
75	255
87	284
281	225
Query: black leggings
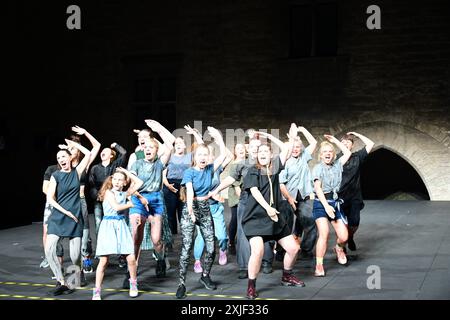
232	227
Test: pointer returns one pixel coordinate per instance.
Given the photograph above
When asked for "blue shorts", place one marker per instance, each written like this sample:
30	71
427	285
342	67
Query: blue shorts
155	204
319	211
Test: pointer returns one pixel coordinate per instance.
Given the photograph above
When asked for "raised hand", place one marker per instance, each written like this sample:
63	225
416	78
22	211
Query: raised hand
353	133
251	133
190	130
69	143
214	133
154	125
301	129
293	130
78	130
330	138
63	146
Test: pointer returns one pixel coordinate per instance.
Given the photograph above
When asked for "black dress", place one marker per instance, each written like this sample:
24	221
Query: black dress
68	196
255	220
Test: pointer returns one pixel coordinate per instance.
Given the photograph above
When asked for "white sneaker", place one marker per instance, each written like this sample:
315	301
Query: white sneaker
44	263
134	292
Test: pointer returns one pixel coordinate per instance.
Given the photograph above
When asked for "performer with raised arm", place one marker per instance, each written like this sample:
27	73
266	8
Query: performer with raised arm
114	236
66	219
197	181
350	190
148	203
297	186
236	174
86	243
179	162
261	221
327	176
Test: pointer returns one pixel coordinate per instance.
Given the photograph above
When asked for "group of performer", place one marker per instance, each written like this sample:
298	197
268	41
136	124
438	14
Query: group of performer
275	200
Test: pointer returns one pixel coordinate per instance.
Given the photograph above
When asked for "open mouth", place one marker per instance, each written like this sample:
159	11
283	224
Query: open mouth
202	163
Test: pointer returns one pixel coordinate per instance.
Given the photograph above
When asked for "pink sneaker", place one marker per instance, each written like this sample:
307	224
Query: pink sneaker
96	294
223	257
198	267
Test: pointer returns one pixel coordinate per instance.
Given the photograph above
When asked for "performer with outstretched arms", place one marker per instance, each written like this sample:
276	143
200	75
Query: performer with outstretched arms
327	176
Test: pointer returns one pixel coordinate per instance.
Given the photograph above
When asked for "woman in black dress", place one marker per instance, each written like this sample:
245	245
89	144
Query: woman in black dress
261	222
66	219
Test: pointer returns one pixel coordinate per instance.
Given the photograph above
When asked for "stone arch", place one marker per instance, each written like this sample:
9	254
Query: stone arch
407	179
429	156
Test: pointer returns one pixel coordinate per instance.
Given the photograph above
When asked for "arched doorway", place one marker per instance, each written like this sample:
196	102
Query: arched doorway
387	176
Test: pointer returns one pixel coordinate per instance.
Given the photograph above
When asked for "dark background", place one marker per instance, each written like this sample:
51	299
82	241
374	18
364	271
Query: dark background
229	63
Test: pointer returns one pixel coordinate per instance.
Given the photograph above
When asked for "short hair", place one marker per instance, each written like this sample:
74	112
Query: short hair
349	137
326	144
75	138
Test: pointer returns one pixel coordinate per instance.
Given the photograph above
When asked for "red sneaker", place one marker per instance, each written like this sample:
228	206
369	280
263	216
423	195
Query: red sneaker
251	293
291	280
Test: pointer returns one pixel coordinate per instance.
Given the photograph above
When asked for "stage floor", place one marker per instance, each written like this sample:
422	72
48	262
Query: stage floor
408	241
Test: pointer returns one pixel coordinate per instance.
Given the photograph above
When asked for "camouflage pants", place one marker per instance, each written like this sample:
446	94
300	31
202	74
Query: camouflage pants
205	222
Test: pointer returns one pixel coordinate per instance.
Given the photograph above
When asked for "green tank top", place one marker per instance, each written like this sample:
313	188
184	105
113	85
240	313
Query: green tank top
140	155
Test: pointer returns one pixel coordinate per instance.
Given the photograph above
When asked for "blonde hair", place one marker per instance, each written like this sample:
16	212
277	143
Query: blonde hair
326	144
154	142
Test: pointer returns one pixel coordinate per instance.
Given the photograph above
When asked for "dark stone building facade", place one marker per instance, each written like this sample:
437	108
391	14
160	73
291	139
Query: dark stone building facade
231	64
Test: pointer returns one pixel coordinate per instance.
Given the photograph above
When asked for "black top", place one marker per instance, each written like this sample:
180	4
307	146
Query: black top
350	185
83	178
255	220
48	173
99	173
68	196
53	168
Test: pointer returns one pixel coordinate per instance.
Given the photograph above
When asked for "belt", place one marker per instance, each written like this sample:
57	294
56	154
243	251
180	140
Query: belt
113	217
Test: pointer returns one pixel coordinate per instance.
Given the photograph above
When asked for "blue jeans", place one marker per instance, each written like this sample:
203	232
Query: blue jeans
220	230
